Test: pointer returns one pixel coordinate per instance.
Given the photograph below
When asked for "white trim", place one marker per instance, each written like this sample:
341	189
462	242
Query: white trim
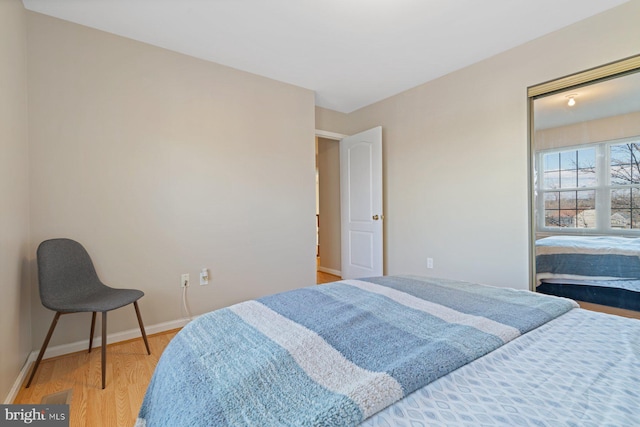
330	271
83	345
330	135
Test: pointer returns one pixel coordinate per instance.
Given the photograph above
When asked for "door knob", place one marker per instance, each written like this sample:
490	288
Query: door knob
377	217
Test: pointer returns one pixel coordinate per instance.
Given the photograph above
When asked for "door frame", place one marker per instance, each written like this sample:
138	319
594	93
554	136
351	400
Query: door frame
330	135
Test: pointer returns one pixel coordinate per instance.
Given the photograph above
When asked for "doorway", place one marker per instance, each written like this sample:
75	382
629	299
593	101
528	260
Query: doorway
328	208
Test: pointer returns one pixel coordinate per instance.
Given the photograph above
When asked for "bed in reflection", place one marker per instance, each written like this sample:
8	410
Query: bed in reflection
597	269
398	351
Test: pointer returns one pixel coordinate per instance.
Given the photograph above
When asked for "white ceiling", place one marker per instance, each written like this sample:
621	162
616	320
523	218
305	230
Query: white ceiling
352	53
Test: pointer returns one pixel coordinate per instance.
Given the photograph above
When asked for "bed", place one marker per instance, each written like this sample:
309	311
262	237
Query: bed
598	269
399	351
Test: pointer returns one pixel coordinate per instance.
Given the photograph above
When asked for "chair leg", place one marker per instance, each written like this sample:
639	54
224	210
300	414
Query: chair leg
104	346
144	335
44	347
93	327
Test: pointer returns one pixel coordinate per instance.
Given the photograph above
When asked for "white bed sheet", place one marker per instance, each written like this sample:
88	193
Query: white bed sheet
581	369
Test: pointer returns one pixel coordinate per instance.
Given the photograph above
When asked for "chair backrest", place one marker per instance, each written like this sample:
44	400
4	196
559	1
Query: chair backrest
65	269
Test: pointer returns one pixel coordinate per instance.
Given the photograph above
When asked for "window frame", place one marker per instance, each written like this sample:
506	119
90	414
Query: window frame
602	190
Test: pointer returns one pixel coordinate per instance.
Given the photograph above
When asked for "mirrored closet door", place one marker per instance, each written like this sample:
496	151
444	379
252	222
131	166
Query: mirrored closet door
585	185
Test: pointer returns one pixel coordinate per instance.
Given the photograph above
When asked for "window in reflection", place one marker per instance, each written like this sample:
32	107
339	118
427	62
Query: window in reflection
576	189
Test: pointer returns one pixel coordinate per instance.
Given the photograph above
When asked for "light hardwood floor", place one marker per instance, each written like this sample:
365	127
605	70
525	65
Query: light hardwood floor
129	371
610	310
325	278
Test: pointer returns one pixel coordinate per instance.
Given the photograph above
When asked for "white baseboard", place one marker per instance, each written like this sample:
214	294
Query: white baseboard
60	350
329	271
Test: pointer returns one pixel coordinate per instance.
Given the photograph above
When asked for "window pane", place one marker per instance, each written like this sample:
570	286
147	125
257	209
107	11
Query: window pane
586	199
568	200
552	209
620	164
621	174
568	160
551	200
635	169
624	208
586	167
587	178
551	180
620	154
568	219
635	218
635	207
570	209
551	218
635	198
586	219
620	218
624	166
620	199
570	169
569	178
551	162
586	213
587	158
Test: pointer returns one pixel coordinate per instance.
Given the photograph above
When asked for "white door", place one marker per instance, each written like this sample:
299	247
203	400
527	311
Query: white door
361	204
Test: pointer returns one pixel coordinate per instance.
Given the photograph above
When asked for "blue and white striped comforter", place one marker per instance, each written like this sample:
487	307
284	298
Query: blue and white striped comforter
332	355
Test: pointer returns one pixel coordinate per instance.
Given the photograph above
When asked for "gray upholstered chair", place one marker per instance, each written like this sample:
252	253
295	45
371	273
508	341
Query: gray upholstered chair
69	284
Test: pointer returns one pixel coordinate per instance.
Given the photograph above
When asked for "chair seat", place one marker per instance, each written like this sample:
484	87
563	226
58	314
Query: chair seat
100	299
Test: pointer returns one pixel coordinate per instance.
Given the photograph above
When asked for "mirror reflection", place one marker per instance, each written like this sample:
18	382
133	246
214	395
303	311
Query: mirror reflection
586	172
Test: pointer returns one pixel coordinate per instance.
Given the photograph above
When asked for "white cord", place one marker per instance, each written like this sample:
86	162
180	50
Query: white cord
184	303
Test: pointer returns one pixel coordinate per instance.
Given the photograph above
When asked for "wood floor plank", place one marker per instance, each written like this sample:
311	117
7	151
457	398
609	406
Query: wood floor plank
610	310
129	370
325	278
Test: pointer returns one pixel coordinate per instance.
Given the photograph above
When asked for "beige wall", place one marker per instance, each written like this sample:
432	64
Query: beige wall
455	153
329	195
15	323
607	129
336	121
161	164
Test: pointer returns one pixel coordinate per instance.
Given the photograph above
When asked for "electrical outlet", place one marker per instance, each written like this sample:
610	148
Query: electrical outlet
429	262
204	277
184	280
